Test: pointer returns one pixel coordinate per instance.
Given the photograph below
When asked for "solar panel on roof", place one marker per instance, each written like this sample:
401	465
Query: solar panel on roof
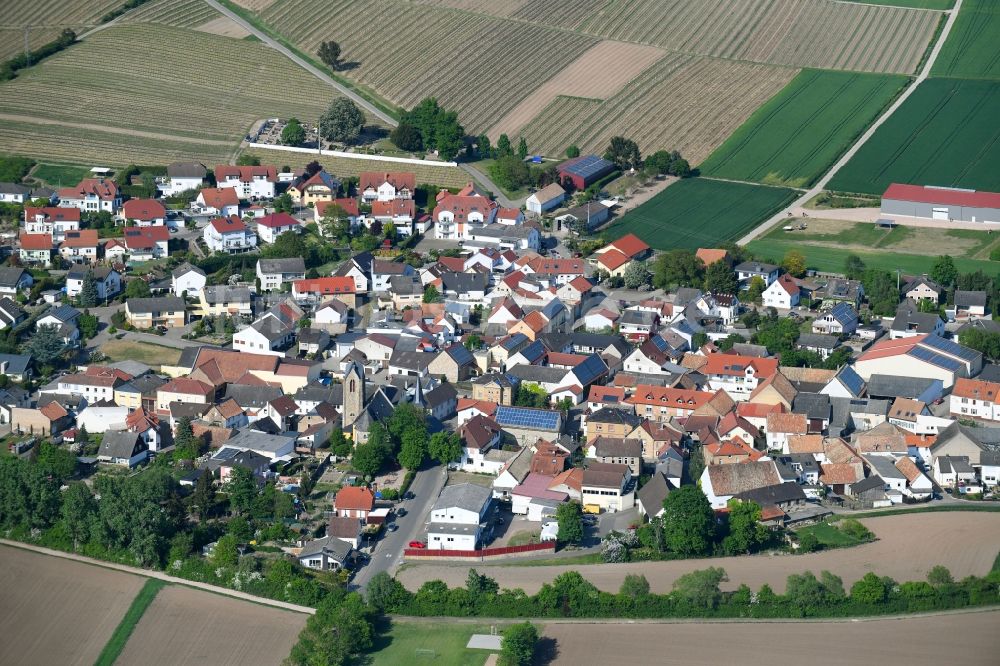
949	347
934	358
852	380
590	369
588	166
521	417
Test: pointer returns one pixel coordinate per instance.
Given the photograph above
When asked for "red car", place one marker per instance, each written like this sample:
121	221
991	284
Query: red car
417	544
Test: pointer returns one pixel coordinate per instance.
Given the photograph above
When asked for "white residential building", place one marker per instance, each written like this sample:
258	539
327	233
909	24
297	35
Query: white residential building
459	517
229	234
249	182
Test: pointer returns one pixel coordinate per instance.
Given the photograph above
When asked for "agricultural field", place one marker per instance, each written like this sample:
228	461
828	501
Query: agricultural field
914	640
494	7
143	352
826	244
442	176
184	625
48	18
696	212
41	595
655	108
795	137
478	64
945	134
913	4
597	74
195	102
966	542
60	175
971	50
179	13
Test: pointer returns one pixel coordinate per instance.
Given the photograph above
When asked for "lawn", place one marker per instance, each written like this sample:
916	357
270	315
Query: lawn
828	535
143	352
795	137
698	212
117	642
438	643
945	134
60	175
971	50
827	243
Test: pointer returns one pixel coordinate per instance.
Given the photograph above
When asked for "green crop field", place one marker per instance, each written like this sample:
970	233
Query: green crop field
131	94
946	133
60	175
794	137
973	47
697	213
826	244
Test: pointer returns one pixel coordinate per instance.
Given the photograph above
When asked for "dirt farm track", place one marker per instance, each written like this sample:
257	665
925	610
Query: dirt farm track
54	611
967	638
906	549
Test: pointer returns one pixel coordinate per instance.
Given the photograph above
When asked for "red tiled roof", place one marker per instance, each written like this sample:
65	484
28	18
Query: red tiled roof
349	205
888	348
53	213
219	197
141	238
82	238
229	224
246	174
508	213
612	259
187	386
354	498
326	285
276	220
788	423
394	208
646	394
545	266
787	282
36	241
400	180
976	389
735	365
630	245
143	209
106	190
941	195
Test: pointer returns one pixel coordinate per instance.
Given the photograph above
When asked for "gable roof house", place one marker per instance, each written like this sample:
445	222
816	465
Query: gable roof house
545	199
782	293
144	213
222	201
181	176
92	195
721	483
310	190
841	319
169	311
737	375
270	226
124	448
230	235
386	186
249	182
36	248
910	322
14	279
923	288
920	356
187	279
456	215
146	243
51	220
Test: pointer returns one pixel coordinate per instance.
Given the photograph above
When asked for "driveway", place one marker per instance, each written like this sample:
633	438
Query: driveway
387	553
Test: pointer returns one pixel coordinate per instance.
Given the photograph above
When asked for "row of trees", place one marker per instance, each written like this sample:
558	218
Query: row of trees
429	126
696	594
626	155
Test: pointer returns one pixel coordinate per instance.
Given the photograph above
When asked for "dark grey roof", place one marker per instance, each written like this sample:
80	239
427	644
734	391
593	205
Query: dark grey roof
988	325
757	351
589	209
839	288
163	304
916	282
10	276
871	483
220	293
15	364
537	373
146	384
405	285
990	373
614	447
252	396
186	170
817	341
63	313
776	494
499	378
440	395
556	342
461	355
14	188
653	493
186	268
892	386
970	298
885	467
311	336
610	415
462	283
411	360
289	265
333	547
600	342
920	322
533	351
333	394
119	444
467	496
249	460
813	405
638	317
756	267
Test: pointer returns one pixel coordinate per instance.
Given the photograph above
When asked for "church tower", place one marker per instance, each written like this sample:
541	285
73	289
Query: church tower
354	393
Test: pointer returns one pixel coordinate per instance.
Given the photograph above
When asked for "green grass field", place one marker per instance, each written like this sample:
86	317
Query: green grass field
116	643
905	248
697	212
945	134
60	175
446	641
828	535
801	131
972	50
143	352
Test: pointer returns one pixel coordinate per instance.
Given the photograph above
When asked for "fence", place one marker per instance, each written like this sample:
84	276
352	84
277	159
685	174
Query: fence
355	156
483	553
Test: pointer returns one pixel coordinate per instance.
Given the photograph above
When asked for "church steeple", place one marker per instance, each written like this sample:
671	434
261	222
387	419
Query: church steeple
354	393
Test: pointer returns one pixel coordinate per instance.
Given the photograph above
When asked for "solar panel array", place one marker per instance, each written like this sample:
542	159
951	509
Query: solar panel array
660	343
952	348
852	380
589	166
590	369
934	358
524	417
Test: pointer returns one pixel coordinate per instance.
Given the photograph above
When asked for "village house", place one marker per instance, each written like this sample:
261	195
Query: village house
269	227
230	235
220	299
80	247
310	190
107	280
146	243
316	290
144	213
545	199
36	248
51	220
455	215
841	319
386	186
221	201
181	177
187	280
273	273
458	519
92	195
737	375
249	182
609	486
168	311
782	293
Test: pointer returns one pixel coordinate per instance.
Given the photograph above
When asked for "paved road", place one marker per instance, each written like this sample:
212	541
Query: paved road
486	182
319	74
846	157
388	552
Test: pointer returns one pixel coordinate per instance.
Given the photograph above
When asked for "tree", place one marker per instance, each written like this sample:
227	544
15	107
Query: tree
624	153
484	147
756	288
569	517
746	533
503	148
795	263
635	275
522	148
242	490
340	446
340	629
881	291
389	230
854	267
517	647
680	168
78	511
203	497
939	576
870	589
293	133
943	271
283	204
473	342
88	325
445	447
688	521
509	172
225	553
431	294
342	122
701	588
573	151
634	586
721	279
247	160
368	459
659	162
88	291
329	53
412	453
407	137
385	593
681	268
45	345
137	288
185	443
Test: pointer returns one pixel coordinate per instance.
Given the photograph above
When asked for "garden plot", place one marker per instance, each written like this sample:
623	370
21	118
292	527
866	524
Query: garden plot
224	27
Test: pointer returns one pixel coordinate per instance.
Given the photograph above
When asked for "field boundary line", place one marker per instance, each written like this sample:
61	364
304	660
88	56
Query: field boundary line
748	182
159	575
34	120
353	156
119	638
821	184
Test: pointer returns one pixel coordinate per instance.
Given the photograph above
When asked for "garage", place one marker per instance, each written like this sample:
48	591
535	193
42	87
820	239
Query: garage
941	203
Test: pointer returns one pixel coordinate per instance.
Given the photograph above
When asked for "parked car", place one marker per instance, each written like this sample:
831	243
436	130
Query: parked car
392	527
417	544
400	512
408	495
